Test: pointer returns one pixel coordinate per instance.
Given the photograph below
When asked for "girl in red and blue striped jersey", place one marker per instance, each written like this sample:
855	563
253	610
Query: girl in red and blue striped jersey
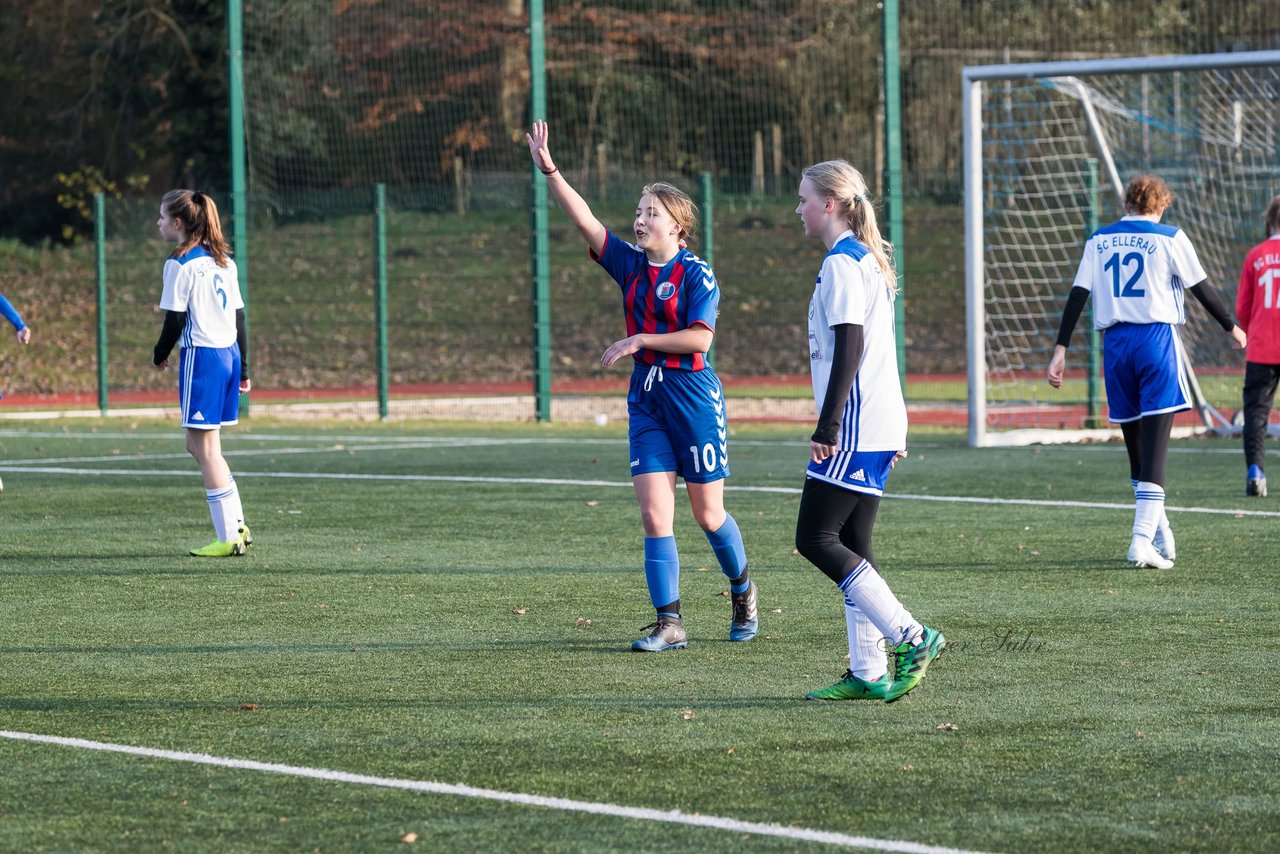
675	404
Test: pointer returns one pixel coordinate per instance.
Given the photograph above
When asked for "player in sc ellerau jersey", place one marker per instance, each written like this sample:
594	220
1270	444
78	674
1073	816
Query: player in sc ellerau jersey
204	312
861	433
675	405
1258	309
1137	270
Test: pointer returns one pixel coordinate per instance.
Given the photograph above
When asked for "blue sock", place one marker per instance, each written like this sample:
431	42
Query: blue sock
662	570
726	542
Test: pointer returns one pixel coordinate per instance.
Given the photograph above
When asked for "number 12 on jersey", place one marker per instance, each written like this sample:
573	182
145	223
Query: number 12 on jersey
1119	267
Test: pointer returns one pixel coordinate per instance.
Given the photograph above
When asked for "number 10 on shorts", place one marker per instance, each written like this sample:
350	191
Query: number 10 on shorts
704	460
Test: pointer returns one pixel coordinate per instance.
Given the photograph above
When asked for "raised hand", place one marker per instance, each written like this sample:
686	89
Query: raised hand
537	139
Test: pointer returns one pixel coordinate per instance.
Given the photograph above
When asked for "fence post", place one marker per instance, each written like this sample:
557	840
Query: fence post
239	172
100	264
893	166
540	250
380	282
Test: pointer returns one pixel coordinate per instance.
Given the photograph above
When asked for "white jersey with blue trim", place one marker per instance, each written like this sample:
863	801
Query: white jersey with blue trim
209	294
1138	270
851	289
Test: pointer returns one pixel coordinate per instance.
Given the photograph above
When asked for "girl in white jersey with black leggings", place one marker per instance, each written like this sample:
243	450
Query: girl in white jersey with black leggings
1137	270
861	432
204	309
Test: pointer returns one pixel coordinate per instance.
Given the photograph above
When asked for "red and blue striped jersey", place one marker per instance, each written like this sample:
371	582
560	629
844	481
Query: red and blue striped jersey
659	299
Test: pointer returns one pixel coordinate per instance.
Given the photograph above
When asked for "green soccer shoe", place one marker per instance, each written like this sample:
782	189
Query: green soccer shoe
220	549
850	687
912	662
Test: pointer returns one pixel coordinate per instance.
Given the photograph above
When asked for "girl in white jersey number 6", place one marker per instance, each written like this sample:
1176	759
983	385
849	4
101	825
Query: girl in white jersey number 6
205	312
1137	270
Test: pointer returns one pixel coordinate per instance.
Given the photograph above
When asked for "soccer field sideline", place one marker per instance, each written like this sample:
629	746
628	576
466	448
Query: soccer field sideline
461	790
60	465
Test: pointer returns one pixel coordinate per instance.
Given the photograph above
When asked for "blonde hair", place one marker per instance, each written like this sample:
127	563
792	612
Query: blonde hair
1273	217
677	203
1147	194
199	217
838	180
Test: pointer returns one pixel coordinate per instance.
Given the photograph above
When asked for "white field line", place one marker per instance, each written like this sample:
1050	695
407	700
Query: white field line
549	481
464	791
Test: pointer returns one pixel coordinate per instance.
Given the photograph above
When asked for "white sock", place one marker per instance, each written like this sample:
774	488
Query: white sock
1148	509
867	590
867	658
235	513
224	509
1163	524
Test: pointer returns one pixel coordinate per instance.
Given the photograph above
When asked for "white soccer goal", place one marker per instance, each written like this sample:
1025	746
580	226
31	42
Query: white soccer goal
1048	150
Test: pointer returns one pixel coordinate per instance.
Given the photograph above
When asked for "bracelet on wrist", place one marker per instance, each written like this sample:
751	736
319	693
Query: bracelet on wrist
552	172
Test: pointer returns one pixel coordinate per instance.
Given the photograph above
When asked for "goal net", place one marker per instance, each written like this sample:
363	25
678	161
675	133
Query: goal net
1049	148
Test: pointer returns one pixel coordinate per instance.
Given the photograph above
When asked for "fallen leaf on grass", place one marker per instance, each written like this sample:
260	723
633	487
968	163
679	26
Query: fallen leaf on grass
409	837
723	593
520	611
731	750
687	714
947	727
702	569
582	621
593	503
777	610
248	707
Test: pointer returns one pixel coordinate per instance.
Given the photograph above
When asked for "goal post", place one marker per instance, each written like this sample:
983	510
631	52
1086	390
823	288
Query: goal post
1048	148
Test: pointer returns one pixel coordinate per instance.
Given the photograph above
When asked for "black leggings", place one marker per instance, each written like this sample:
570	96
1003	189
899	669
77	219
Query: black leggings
1147	441
1259	393
833	530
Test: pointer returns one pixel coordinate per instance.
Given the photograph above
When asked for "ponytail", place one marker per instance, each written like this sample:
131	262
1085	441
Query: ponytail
838	180
199	217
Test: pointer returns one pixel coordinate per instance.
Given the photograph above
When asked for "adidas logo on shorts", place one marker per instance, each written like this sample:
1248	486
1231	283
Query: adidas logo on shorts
199	416
860	474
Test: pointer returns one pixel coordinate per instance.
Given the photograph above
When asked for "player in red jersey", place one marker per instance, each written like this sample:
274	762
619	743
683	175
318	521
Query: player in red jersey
1258	313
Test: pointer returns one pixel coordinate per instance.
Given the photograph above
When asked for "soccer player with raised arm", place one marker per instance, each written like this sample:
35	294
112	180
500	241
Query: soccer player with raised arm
1137	270
9	313
1258	309
205	312
675	405
20	329
861	433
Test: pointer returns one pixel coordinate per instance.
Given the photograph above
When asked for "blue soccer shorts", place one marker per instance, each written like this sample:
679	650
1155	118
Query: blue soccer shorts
209	386
860	471
1142	366
678	423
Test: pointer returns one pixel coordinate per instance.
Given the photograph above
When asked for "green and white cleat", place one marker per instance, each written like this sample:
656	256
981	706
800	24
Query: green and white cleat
850	687
245	535
220	549
912	662
668	633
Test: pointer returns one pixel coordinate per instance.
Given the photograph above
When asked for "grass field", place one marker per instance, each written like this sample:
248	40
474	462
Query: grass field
448	604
